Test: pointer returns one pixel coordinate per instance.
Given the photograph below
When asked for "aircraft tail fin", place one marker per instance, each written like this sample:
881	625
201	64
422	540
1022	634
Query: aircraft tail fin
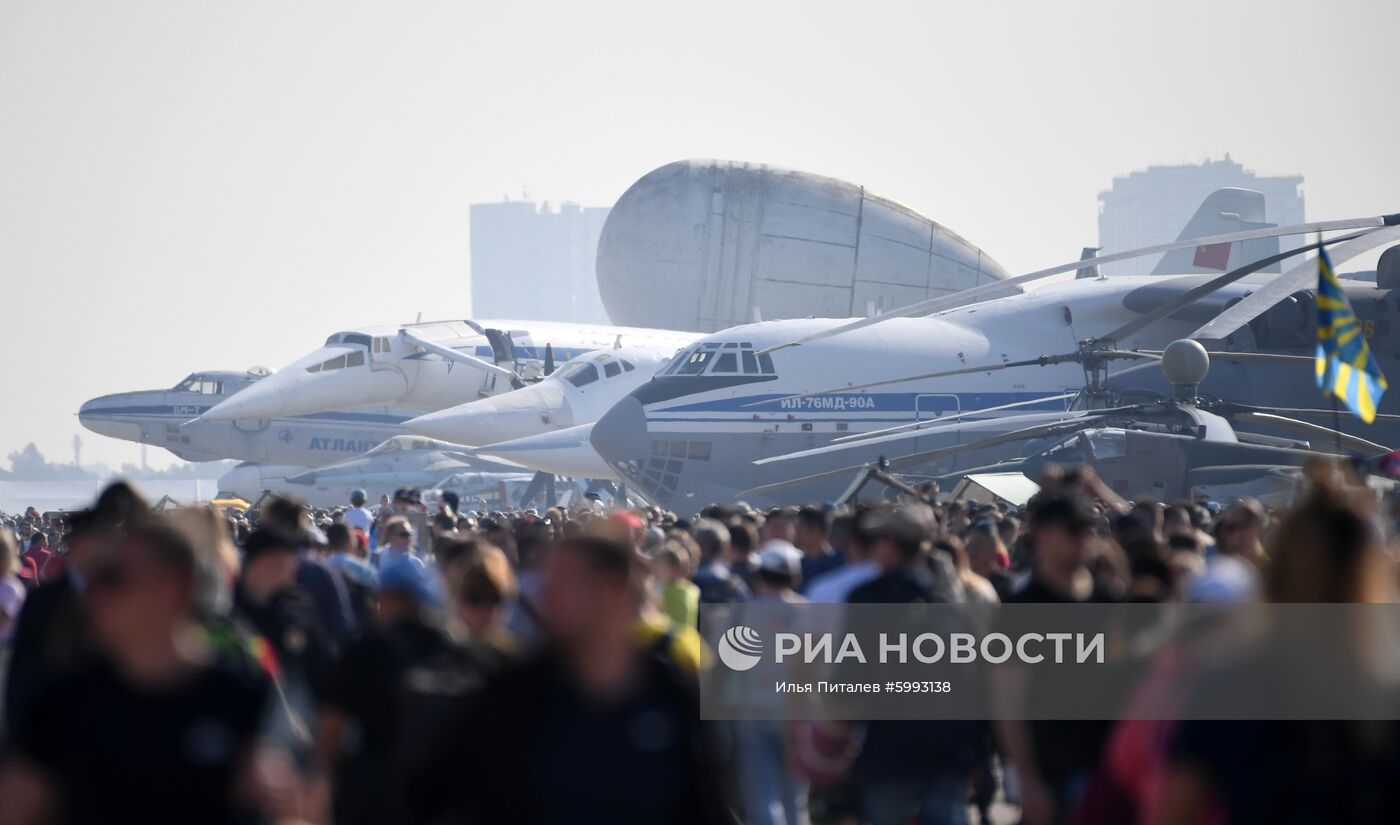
1223	211
1088	271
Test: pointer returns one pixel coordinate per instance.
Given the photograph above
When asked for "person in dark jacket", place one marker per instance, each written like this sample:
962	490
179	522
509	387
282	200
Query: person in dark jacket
52	634
609	728
269	601
392	690
913	770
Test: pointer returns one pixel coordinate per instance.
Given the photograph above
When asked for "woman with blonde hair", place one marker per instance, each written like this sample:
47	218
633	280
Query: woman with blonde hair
11	588
485	591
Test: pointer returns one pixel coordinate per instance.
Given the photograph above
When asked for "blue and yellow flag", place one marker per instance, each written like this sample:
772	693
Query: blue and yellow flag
1345	366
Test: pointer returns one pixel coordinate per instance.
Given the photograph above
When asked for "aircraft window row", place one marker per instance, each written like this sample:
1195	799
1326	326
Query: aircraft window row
340	362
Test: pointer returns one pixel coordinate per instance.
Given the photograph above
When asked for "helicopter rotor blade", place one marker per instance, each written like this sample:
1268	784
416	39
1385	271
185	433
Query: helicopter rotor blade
915	459
1040	361
967	296
1016	422
1304	428
1300	277
930	423
1196	293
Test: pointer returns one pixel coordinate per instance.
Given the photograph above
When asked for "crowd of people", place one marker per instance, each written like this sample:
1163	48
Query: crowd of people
412	663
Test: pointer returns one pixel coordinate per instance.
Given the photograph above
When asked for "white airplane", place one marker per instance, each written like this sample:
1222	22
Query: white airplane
579	392
401	462
748	408
427	366
167	418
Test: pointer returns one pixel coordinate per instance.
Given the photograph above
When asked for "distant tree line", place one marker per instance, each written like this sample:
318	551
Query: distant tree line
29	464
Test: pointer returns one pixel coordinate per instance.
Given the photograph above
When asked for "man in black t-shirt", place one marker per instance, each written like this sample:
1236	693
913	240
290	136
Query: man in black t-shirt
1053	757
912	770
269	600
158	729
392	691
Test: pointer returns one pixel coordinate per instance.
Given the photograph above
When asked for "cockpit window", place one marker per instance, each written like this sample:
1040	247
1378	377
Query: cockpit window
628	366
726	362
717	358
674	363
612	368
695	364
587	374
577	373
200	384
350	359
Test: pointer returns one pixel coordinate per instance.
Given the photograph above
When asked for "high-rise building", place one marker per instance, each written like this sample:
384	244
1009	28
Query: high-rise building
535	263
1151	206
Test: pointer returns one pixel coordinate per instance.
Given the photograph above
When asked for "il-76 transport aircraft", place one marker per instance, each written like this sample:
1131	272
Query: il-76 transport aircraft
759	392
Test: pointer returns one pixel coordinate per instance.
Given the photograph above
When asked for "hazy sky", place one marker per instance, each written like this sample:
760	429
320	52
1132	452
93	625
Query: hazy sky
190	185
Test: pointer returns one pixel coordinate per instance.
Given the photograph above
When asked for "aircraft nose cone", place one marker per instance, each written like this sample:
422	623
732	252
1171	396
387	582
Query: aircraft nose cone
102	416
261	400
621	434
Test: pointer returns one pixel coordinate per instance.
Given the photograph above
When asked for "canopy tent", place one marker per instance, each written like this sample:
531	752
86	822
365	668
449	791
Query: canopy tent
988	488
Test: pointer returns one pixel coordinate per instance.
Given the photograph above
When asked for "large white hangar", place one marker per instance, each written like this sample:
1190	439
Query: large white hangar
706	244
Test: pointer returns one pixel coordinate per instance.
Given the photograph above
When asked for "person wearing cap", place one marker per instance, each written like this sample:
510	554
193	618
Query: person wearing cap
779	572
1061	528
717	583
899	540
396	687
912	770
1052	758
772	793
269	600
